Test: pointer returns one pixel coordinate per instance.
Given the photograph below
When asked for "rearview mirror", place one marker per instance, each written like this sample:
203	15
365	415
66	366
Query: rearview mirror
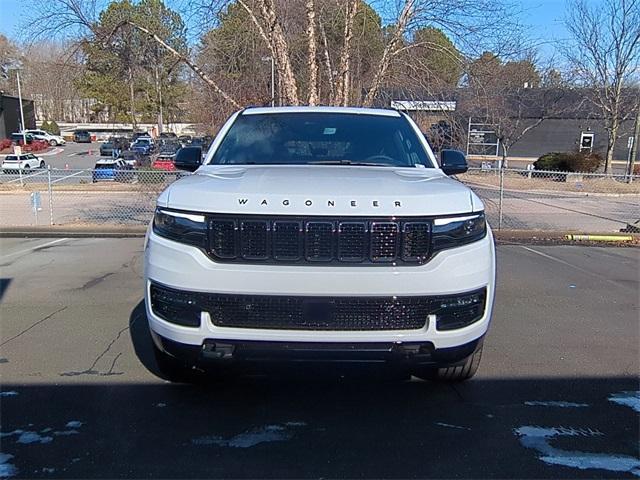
188	158
453	162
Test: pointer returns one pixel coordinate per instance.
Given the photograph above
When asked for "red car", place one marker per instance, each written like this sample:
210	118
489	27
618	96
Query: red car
164	163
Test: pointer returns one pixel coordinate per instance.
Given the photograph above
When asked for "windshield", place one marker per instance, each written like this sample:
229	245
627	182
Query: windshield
321	138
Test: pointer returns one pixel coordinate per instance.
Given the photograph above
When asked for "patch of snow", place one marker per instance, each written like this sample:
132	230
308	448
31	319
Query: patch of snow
554	403
628	399
538	438
7	469
33	437
448	425
250	438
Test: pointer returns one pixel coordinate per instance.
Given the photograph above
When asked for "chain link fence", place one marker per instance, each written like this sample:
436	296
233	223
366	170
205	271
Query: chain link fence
514	199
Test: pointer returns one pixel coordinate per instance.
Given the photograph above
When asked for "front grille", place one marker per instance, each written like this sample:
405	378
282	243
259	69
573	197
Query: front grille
280	312
300	240
318	313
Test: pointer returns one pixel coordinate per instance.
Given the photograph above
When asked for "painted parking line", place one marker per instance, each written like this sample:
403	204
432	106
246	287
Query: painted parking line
35	247
568	264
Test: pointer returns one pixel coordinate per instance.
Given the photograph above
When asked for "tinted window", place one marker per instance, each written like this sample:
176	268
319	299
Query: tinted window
307	138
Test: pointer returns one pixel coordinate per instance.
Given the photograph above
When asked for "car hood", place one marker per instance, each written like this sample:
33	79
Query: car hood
320	190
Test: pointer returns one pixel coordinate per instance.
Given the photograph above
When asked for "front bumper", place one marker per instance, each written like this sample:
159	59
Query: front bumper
233	352
454	271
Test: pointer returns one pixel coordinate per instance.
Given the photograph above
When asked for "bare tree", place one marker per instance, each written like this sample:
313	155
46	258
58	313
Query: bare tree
264	15
343	86
605	55
312	58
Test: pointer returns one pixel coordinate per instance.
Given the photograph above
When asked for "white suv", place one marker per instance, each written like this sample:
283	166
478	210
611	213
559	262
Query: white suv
25	161
322	234
53	140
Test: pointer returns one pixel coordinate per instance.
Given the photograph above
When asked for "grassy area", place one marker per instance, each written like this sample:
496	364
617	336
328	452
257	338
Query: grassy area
573	183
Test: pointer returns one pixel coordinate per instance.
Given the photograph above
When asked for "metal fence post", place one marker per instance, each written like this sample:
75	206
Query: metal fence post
501	196
50	194
20	174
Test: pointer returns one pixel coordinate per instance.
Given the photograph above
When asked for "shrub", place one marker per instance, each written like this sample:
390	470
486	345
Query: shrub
551	161
636	169
569	162
5	143
585	163
36	146
52	127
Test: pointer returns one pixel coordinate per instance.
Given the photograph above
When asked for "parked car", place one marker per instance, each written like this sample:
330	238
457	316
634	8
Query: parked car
131	158
26	161
379	255
137	135
82	136
18	138
106	149
115	170
120	143
143	145
165	161
53	140
168	135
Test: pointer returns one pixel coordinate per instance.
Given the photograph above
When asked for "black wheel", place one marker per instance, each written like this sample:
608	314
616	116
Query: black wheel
53	143
458	373
174	370
42	165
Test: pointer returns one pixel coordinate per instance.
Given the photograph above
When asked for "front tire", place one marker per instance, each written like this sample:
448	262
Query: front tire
42	165
455	374
53	143
174	370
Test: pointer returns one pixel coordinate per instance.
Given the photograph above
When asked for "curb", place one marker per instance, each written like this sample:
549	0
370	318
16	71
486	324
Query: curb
503	237
73	232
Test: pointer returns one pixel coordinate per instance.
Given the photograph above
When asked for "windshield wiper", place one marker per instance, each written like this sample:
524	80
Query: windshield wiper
350	162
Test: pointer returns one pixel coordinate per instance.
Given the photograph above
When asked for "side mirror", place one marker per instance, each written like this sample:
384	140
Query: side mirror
453	162
188	158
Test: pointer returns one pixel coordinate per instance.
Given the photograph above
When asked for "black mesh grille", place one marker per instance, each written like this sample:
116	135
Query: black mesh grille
287	240
384	241
254	239
416	239
318	313
223	238
319	241
295	240
352	241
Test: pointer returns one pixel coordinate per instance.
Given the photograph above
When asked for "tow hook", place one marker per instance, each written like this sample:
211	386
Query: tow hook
217	351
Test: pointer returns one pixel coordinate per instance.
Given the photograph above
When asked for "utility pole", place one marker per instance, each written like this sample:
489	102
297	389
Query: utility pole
24	135
159	88
634	148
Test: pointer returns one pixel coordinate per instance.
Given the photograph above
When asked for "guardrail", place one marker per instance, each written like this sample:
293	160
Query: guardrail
513	198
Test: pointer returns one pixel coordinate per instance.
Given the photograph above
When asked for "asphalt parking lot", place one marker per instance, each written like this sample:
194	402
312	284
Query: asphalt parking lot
556	395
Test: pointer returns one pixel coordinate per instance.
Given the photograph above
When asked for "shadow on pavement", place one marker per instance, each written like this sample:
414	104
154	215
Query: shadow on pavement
290	426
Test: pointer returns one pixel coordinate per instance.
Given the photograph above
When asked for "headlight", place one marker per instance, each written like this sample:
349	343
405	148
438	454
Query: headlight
182	227
452	232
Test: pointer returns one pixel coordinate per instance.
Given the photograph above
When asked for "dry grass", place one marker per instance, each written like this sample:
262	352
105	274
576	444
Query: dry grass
584	184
